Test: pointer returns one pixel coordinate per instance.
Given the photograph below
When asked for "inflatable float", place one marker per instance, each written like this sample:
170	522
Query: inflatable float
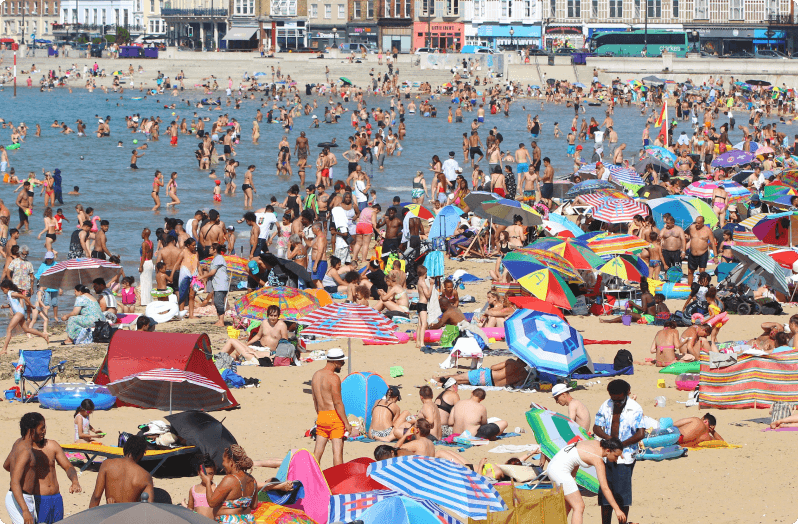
662	437
666	453
677	368
13	147
687	381
67	397
434	335
401	335
674	291
163	311
160	293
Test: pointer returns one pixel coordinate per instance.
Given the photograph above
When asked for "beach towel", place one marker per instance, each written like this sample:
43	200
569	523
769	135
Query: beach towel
588	342
788	428
604	370
516	448
715	444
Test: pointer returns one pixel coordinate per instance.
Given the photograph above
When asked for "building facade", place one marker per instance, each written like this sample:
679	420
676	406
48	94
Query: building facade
194	24
24	19
500	23
439	25
327	23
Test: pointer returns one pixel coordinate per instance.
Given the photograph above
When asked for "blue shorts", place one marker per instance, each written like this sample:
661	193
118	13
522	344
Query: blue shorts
319	274
522	167
183	289
50	298
646	141
49	508
480	119
480	377
534	135
571	149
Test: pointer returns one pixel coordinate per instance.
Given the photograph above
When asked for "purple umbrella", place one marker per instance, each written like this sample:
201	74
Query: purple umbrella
733	158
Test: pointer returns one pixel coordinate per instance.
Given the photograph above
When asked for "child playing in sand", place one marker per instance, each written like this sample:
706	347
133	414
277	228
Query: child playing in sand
128	293
217	191
198	495
83	428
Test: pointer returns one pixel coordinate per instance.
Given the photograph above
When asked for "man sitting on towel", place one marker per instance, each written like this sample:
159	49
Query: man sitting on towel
512	371
695	430
451	316
470	415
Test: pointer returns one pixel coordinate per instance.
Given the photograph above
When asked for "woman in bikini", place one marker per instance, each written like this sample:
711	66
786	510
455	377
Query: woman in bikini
419	188
157	184
171	190
720	201
50	226
234	498
395	299
388	421
49	192
297	250
725	247
665	343
502	248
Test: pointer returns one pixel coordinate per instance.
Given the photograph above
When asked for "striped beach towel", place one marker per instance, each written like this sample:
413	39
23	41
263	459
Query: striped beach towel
753	382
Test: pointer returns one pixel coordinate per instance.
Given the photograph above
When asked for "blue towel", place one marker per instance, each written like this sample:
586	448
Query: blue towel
434	264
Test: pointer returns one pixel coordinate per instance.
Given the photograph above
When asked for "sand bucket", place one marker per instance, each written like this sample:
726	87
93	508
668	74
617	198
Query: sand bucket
626	319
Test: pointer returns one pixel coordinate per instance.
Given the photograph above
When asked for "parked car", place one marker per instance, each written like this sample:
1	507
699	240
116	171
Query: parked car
739	54
476	49
770	53
421	50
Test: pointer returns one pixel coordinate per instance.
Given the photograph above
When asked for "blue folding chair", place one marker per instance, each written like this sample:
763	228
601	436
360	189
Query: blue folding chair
37	369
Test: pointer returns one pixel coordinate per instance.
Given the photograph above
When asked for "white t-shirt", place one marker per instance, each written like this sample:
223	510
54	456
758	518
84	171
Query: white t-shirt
599	136
450	169
266	222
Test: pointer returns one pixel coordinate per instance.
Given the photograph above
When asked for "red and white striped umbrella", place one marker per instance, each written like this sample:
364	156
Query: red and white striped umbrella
615	211
345	320
69	273
172	389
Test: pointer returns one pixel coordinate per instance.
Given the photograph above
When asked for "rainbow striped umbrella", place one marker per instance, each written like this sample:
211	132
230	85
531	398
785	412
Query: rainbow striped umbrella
780	229
548	285
621	268
294	304
790	177
236	266
613	244
419	211
572	250
553	432
547	258
748	239
170	388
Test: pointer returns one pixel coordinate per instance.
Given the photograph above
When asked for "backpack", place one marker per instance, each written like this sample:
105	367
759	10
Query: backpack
623	359
771	308
103	332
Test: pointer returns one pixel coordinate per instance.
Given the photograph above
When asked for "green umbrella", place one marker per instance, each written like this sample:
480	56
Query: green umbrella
553	432
345	80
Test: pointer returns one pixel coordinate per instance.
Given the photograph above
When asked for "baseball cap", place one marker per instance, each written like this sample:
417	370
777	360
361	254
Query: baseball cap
253	266
579	148
49	255
451	153
559	389
336	354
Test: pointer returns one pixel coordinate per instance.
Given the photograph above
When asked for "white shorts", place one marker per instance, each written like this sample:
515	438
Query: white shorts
3	167
559	472
15	512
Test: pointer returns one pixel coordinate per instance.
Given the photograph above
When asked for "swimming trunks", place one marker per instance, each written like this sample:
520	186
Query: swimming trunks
480	377
381	434
49	508
523	167
329	425
547	190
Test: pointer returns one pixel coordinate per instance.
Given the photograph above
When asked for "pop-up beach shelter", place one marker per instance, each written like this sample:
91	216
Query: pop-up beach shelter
132	352
360	391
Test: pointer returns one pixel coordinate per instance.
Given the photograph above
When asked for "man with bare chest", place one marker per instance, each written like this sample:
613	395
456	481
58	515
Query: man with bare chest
122	479
21	463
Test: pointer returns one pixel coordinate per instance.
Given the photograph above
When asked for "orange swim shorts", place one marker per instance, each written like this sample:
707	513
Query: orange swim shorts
329	425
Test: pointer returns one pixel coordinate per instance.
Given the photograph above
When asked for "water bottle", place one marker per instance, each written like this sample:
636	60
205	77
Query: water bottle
19	369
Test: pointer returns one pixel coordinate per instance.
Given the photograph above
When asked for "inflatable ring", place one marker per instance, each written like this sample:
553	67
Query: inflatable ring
670	452
162	311
13	146
327	144
401	335
687	381
667	437
67	397
160	293
434	335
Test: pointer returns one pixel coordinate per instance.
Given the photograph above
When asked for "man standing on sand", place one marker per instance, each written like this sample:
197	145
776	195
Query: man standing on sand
122	479
673	243
49	503
331	422
701	238
21	462
576	410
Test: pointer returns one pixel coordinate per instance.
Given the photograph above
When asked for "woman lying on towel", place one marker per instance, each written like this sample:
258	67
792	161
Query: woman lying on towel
507	373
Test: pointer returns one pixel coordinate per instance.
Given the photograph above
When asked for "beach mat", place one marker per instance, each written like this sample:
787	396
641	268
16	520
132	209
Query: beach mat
588	342
604	370
791	428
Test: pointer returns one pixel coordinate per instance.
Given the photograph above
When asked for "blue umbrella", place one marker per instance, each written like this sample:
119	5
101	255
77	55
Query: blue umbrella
401	510
588	186
579	84
545	342
349	507
683	213
441	481
445	222
733	158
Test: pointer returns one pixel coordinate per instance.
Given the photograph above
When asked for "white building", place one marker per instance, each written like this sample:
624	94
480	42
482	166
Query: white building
99	13
495	23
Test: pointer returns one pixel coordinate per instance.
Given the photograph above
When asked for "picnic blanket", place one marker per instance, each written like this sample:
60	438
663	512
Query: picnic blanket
715	444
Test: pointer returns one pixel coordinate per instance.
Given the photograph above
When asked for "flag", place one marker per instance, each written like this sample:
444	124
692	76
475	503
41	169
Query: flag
662	122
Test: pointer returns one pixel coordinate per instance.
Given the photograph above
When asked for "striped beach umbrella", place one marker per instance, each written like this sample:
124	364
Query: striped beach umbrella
236	266
546	284
621	268
347	508
748	239
617	211
547	258
705	188
625	176
170	388
553	432
545	342
419	211
753	220
612	244
444	482
588	186
294	304
559	225
780	229
790	177
574	251
69	273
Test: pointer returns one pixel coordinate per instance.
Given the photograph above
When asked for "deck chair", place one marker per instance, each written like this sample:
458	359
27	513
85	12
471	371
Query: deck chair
37	369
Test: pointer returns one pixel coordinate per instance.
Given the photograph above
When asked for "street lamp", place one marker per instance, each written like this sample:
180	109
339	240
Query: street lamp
512	32
335	37
695	41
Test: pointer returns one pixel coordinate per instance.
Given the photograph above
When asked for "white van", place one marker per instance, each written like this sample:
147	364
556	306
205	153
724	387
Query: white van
357	48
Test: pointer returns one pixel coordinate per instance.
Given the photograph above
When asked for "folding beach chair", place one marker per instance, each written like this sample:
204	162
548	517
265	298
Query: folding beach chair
37	369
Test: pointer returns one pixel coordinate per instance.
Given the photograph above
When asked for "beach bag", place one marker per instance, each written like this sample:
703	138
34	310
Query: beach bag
123	436
623	359
284	353
224	361
102	332
449	336
84	337
233	379
771	308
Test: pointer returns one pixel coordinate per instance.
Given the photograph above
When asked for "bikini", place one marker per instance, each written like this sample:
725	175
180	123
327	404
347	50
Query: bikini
387	431
239	503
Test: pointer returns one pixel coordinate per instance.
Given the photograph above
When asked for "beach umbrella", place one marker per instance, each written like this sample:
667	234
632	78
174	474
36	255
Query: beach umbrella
170	388
779	201
475	198
636	261
575	252
294	303
753	220
764	150
546	342
521	259
69	273
761	264
733	158
203	431
444	482
616	211
271	513
588	186
790	177
652	191
400	510
785	257
536	304
350	477
626	176
236	266
350	507
704	209
612	244
558	225
346	320
653	80
346	81
705	188
656	163
321	295
748	239
683	213
778	229
661	154
777	189
445	222
621	268
580	85
553	432
506	209
753	146
419	211
546	284
587	169
137	513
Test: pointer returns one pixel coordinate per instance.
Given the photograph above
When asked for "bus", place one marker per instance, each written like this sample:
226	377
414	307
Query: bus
631	43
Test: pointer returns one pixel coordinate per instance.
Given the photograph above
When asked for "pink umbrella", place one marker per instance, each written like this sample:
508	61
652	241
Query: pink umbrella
172	388
615	211
69	273
764	150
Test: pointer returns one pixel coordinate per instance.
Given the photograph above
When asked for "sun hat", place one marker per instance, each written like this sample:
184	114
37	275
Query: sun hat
518	473
49	255
336	354
449	383
559	389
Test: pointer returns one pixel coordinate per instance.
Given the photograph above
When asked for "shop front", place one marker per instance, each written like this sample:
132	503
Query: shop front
396	35
448	37
321	37
564	36
509	35
363	34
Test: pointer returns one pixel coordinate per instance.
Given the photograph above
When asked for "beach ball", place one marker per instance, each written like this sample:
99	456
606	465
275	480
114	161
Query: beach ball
173	113
135	141
236	141
28	211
